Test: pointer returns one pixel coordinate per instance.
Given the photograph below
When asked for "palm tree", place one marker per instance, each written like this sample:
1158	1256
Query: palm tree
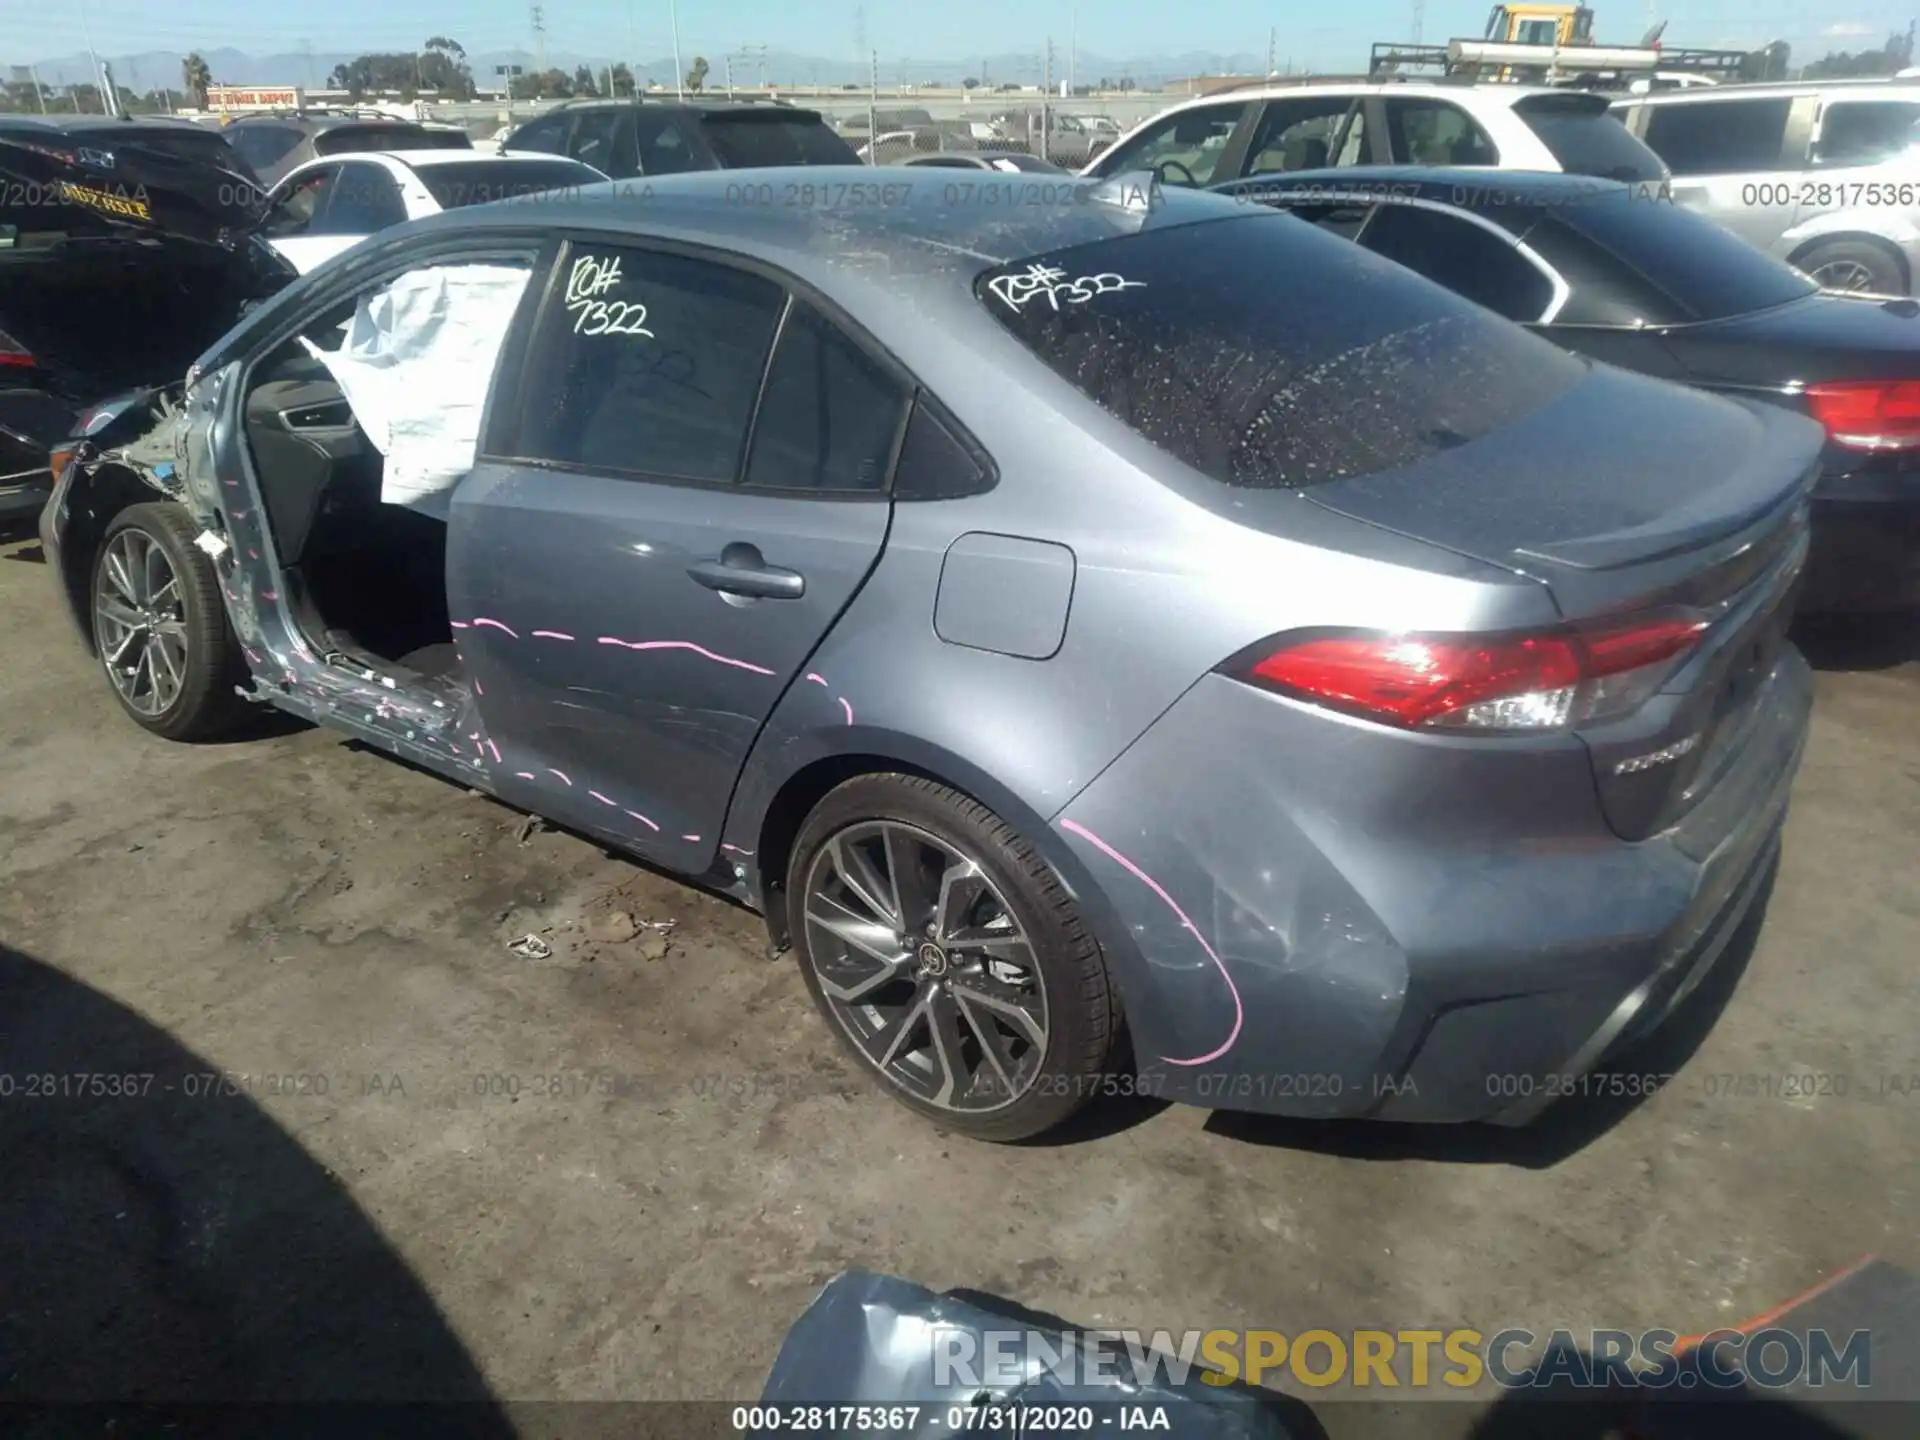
697	76
197	77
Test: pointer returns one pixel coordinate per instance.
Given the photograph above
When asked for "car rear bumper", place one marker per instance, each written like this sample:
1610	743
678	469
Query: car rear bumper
24	494
1319	918
1865	553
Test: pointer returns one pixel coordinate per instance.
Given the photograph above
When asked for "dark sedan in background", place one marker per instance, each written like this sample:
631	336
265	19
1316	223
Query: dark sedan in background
1620	273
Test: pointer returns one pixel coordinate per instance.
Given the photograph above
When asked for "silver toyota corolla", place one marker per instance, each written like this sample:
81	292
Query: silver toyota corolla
1122	641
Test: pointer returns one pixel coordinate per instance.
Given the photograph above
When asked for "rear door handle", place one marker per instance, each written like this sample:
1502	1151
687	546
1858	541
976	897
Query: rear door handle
742	570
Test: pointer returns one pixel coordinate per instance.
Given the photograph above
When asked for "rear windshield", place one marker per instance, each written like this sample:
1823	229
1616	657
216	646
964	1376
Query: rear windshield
744	140
1270	355
347	139
485	180
1588	139
209	147
1707	272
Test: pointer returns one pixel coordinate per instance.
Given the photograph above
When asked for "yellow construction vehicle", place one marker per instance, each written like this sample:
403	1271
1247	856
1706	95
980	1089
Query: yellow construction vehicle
1540	25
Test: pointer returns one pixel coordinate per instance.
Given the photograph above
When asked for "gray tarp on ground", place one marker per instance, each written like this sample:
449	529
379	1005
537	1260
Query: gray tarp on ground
872	1340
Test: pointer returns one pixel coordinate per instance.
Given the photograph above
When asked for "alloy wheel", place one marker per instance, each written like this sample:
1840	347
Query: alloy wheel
1842	275
140	625
925	967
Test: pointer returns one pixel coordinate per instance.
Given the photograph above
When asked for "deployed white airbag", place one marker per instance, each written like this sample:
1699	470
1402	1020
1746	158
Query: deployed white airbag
415	364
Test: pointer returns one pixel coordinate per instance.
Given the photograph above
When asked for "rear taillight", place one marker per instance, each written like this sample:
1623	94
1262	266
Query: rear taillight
1868	414
14	355
1550	680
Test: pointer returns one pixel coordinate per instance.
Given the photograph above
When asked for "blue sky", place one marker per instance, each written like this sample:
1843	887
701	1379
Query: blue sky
1321	36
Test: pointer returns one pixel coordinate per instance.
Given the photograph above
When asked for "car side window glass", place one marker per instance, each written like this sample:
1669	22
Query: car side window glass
829	415
1434	132
1183	149
1719	137
292	214
936	461
596	136
547	136
663	147
364	201
1864	132
1297	135
646	363
1466	258
261	146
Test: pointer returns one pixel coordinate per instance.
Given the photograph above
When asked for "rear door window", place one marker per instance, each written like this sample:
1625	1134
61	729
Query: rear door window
1268	355
1865	132
604	140
1468	259
1719	137
1184	148
647	363
665	148
1588	139
481	181
1435	132
1299	134
830	415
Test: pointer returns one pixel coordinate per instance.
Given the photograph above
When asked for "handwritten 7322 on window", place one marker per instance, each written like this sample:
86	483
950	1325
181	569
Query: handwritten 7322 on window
592	277
1052	284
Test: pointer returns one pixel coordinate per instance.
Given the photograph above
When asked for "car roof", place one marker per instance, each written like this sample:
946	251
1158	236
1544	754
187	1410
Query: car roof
1495	96
691	102
313	123
439	159
1871	88
96	122
908	229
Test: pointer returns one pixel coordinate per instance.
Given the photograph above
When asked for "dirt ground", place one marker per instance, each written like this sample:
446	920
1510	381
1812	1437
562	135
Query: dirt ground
296	914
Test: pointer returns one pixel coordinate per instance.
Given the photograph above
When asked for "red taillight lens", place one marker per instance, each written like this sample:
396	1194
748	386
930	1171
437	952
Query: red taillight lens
1868	414
1552	680
14	354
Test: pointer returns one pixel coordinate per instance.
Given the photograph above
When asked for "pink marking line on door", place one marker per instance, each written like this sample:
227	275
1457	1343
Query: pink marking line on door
700	650
525	775
738	851
561	773
642	819
1239	1013
458	624
816	679
551	635
495	749
689	837
480	620
846	707
603	799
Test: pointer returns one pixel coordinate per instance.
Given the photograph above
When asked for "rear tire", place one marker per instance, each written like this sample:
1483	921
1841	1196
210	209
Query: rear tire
160	629
971	987
1858	265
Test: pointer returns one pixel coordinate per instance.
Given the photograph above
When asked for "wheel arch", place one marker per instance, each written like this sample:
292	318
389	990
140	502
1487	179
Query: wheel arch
94	499
1856	237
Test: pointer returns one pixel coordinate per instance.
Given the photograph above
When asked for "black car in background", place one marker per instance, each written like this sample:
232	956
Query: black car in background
1620	273
125	250
273	144
627	138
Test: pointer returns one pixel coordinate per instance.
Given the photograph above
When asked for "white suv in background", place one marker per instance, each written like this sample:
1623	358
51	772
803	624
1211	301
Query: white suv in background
1824	173
1273	128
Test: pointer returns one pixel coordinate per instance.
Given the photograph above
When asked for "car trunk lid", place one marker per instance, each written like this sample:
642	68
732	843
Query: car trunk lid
1674	501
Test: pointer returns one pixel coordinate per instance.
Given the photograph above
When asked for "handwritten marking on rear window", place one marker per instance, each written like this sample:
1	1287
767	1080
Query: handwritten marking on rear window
591	277
1017	291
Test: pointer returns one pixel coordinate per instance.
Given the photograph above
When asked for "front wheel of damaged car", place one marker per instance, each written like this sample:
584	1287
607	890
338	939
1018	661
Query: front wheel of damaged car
159	628
948	957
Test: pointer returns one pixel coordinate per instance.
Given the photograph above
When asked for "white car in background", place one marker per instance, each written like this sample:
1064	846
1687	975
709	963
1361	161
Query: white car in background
328	205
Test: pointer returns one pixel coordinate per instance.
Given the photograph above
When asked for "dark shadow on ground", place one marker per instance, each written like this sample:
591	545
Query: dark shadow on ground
164	1242
1859	642
1570	1125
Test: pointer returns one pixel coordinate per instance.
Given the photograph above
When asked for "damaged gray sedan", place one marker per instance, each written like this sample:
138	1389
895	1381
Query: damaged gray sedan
1122	642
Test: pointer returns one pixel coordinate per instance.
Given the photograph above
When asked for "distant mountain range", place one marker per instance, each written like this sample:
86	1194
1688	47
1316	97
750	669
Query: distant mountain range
154	69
